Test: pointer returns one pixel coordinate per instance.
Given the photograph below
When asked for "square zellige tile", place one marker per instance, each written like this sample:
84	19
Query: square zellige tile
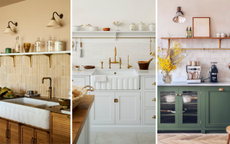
146	137
116	138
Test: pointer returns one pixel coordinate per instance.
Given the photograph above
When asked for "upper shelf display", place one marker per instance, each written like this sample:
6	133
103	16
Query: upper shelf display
113	34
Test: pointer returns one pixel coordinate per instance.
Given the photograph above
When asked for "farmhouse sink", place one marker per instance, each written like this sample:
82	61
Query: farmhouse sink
27	110
116	79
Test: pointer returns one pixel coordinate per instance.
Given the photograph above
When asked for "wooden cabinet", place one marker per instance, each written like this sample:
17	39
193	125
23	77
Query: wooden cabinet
60	128
30	135
3	131
13	133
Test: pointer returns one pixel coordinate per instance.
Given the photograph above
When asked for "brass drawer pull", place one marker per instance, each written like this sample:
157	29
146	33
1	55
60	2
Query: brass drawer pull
154	83
116	100
221	89
154	117
180	94
154	99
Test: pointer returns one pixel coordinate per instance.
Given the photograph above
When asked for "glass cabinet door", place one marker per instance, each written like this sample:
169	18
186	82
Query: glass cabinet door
167	107
189	106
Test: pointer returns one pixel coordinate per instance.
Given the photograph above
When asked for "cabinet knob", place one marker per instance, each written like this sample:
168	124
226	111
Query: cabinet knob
154	117
154	99
154	83
180	94
116	100
177	94
68	116
221	89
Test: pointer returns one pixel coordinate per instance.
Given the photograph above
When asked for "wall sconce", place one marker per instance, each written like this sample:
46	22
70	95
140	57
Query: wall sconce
53	22
8	29
179	18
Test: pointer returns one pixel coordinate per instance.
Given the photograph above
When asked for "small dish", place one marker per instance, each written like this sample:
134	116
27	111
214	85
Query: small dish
106	29
77	67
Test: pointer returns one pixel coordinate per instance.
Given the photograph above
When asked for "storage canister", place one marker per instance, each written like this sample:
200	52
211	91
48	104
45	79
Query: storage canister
58	45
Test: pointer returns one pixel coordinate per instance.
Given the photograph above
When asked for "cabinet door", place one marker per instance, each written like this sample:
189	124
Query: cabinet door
3	131
81	81
102	111
217	107
150	116
41	137
149	83
128	108
189	107
14	133
167	108
149	99
27	134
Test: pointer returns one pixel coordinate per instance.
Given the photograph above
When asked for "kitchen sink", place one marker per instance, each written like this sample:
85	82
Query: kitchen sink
27	110
116	79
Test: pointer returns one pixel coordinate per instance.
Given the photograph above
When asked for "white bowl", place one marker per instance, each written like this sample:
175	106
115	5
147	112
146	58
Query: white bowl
76	28
170	98
93	28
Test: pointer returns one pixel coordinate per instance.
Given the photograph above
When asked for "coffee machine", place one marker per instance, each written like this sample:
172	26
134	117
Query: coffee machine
213	72
193	74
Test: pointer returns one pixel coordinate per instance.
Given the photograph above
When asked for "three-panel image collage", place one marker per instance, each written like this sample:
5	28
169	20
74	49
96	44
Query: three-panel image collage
114	72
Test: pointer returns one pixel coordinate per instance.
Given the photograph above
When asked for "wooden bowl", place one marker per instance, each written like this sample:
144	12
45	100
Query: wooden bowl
89	67
143	65
106	29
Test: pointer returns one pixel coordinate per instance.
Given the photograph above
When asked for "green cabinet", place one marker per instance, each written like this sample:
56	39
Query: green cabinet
179	108
204	109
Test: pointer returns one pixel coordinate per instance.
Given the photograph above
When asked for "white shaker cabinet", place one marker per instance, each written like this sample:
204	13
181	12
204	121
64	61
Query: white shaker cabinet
80	80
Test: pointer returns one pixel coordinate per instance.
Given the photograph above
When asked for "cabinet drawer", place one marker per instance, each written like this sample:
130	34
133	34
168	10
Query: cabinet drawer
149	83
60	125
149	99
150	116
81	81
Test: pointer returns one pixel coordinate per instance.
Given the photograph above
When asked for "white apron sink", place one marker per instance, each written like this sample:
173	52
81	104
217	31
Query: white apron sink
116	79
27	110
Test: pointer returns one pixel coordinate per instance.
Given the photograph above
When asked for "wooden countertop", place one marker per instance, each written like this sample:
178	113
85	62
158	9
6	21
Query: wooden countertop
80	114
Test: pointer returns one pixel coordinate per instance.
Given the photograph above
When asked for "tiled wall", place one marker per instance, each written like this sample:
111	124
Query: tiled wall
204	56
22	77
97	50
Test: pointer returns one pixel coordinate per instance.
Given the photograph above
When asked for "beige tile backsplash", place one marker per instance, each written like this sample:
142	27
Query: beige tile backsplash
22	77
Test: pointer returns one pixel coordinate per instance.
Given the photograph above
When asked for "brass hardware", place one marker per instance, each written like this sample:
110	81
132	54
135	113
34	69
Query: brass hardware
101	64
154	99
115	100
177	95
180	94
114	73
13	60
115	60
128	66
50	60
154	117
154	83
221	89
31	62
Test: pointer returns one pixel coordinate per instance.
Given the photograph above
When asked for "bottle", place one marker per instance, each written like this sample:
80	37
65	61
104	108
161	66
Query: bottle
38	45
17	45
50	44
190	32
186	32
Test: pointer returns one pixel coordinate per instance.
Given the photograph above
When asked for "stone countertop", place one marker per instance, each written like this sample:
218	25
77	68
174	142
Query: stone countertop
79	116
90	72
201	84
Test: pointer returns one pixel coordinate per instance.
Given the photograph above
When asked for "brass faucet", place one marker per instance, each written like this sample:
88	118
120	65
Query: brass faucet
50	87
101	64
128	66
115	60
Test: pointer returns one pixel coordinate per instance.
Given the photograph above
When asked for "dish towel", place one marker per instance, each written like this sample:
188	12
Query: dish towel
100	78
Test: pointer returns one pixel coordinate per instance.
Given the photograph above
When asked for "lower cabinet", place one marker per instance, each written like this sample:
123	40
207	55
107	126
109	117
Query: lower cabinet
116	108
3	131
60	128
31	135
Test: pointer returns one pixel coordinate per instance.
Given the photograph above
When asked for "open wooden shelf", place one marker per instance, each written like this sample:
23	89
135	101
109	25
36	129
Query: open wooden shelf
48	54
217	38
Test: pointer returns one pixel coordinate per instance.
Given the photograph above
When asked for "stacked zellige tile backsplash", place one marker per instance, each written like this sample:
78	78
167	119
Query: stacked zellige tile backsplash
205	57
97	50
22	77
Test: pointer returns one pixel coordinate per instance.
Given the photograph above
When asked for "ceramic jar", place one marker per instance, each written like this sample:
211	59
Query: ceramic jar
223	35
132	26
141	26
152	26
217	34
58	45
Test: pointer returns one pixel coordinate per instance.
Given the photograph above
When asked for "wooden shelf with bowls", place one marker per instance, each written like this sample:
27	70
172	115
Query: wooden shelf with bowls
217	38
48	54
114	34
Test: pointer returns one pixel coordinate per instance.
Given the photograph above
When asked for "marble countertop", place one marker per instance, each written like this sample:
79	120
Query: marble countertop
201	84
90	72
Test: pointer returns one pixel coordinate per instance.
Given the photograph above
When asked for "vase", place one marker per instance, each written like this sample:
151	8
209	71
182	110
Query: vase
167	78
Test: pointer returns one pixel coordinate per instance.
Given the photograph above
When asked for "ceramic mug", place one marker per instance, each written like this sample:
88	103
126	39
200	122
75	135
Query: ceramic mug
189	63
30	92
193	63
197	63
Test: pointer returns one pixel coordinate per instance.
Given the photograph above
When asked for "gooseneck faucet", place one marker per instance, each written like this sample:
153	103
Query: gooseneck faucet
50	87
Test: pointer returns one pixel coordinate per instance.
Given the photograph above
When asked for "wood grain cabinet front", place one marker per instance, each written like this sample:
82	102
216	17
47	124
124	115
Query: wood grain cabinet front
60	128
13	133
3	131
33	136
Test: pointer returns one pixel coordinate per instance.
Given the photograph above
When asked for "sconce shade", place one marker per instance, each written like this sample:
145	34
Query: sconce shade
179	18
53	22
8	31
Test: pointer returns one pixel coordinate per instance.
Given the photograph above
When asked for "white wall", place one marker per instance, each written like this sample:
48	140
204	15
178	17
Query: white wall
102	13
220	21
